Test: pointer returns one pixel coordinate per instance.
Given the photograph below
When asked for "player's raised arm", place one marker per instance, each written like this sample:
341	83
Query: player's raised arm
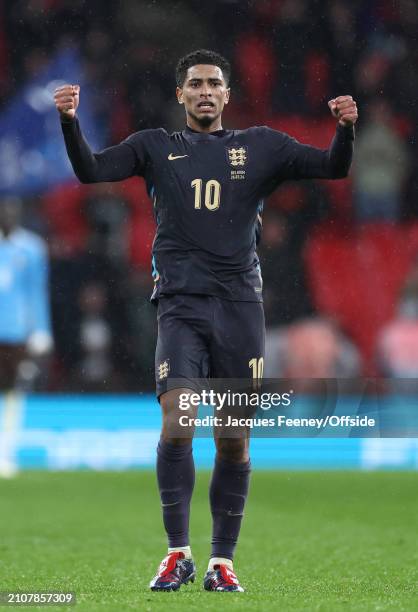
112	164
67	99
344	108
303	161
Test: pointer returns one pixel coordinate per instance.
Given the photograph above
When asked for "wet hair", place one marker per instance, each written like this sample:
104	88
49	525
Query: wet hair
201	56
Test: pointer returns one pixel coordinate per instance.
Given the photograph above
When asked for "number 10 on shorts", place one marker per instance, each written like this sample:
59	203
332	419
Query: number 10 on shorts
257	367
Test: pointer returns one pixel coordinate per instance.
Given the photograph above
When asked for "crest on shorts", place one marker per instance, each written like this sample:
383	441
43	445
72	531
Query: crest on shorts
164	369
237	156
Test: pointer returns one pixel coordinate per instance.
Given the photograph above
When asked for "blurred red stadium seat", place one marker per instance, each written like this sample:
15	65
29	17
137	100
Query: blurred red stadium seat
357	278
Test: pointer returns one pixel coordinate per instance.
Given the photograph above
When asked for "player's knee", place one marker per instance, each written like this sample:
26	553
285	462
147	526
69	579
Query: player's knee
175	401
174	429
175	441
235	450
173	432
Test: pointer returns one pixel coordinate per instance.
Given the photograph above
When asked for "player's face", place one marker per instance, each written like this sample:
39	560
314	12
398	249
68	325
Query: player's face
204	95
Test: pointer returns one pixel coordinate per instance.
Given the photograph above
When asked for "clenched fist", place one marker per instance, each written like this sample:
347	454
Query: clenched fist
66	99
344	108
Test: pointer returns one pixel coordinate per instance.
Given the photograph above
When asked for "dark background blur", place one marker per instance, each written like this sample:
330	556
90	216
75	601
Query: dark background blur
339	258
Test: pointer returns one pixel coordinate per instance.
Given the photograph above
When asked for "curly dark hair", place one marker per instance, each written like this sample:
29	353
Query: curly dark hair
201	56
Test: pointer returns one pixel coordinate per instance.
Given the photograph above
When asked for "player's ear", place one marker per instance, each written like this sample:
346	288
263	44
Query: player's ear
227	94
179	94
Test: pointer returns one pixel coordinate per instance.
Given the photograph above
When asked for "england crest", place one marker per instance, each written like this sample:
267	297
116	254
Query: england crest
237	156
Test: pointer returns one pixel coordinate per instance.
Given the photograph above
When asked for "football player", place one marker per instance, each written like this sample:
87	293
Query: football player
207	185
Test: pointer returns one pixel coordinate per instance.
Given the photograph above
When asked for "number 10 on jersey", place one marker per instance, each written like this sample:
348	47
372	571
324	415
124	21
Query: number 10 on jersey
212	193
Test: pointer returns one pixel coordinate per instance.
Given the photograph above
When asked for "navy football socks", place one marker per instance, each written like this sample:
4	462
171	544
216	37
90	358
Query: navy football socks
228	493
176	476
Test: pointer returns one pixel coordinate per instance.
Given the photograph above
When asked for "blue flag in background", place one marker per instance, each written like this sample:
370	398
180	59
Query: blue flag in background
32	151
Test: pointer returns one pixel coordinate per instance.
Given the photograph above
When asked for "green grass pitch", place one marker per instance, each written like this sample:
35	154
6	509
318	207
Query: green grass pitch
313	541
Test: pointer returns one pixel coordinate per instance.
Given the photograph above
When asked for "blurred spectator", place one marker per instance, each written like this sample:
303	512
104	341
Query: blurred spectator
95	370
108	215
397	352
67	271
25	333
285	294
101	240
288	218
293	23
397	345
343	42
143	323
380	166
313	348
4	60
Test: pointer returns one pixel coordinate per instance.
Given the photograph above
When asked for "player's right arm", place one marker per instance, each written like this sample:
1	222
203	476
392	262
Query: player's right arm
112	164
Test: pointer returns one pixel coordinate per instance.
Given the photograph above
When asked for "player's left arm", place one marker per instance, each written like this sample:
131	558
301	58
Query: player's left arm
304	161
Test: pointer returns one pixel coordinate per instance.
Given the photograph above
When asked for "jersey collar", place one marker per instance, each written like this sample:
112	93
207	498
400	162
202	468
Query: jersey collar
195	136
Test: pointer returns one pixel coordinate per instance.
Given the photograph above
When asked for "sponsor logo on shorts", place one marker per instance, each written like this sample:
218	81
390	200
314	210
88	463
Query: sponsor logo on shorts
164	369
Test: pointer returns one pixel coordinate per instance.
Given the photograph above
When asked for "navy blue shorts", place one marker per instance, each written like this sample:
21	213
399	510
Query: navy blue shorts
202	336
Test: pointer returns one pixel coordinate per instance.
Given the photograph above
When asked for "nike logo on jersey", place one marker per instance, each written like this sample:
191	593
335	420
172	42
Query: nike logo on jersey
172	157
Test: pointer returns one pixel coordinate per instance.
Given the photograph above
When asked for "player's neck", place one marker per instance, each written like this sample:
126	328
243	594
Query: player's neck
194	125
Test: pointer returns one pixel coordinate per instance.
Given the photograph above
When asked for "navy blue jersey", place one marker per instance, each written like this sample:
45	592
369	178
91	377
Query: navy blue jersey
207	191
